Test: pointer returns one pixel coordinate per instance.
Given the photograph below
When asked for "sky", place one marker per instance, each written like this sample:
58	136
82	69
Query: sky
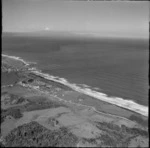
104	18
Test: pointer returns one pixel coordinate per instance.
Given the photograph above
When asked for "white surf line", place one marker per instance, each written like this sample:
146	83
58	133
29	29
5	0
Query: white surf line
127	104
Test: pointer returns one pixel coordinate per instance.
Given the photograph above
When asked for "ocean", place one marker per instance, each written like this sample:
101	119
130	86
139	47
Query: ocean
115	67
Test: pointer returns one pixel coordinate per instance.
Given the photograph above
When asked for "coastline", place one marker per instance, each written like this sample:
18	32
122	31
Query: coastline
126	104
31	101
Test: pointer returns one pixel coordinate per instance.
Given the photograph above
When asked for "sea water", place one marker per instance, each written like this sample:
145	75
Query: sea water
114	70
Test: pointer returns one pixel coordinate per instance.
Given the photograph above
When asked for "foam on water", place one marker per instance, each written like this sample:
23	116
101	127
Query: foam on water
84	86
127	104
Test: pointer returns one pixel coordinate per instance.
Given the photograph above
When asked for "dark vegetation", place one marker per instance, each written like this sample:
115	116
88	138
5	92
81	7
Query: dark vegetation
108	140
135	131
118	136
14	112
8	78
31	105
33	134
39	104
27	81
30	80
123	129
20	100
13	99
91	140
139	120
4	93
5	66
2	145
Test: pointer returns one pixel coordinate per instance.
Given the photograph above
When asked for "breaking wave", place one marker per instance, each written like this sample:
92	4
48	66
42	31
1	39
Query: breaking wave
85	89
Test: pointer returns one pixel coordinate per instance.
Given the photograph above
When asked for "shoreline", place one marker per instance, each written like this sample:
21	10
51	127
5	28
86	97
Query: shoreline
119	102
33	101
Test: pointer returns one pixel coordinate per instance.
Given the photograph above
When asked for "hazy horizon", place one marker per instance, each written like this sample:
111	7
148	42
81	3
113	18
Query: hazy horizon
98	18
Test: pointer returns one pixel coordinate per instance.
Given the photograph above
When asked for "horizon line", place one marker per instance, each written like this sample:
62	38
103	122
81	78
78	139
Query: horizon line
81	33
